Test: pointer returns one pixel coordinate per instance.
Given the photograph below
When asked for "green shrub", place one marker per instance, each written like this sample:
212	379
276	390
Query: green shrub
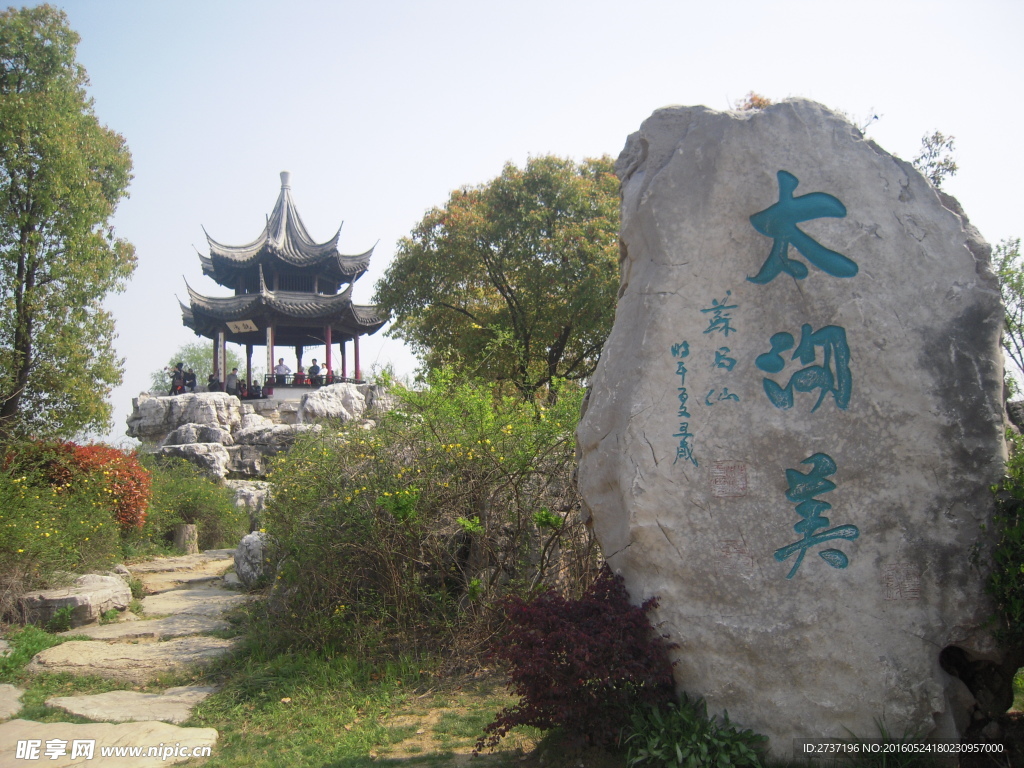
402	534
683	736
1006	578
61	620
183	494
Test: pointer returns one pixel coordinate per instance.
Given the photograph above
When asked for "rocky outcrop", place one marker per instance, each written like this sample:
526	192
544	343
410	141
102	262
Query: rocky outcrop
227	437
795	423
154	418
89	597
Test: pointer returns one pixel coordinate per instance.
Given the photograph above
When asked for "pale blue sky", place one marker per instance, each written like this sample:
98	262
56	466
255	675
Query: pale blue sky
379	110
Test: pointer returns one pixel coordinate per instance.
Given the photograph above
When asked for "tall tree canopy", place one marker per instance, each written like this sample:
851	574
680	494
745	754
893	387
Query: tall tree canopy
61	177
199	357
514	280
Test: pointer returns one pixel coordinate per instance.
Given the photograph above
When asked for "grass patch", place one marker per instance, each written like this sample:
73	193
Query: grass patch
319	711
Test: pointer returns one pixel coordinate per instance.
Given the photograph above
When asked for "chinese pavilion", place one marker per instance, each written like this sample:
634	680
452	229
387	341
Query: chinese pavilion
289	292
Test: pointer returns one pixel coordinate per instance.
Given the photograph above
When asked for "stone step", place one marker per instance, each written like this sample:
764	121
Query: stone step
127	735
133	662
198	601
160	576
180	625
10	701
172	706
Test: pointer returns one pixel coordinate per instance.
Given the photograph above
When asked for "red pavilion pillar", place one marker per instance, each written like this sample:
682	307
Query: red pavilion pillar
344	361
355	357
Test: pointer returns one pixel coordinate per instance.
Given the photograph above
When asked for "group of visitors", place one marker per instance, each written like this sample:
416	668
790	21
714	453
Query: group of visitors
185	380
313	377
182	380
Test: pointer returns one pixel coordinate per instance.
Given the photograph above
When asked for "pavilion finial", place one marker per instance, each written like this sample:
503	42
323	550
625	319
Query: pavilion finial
286	180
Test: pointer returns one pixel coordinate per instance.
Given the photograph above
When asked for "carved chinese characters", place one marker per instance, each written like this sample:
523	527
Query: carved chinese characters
795	422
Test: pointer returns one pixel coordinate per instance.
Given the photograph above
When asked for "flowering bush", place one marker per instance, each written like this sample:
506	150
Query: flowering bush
119	475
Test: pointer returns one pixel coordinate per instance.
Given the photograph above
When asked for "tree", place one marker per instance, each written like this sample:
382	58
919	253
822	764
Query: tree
197	356
935	160
514	280
1010	270
61	177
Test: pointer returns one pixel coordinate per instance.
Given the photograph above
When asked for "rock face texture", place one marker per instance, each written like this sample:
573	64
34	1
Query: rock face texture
795	422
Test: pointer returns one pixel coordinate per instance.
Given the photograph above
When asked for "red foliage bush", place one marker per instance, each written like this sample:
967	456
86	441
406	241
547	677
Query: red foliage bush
118	474
582	665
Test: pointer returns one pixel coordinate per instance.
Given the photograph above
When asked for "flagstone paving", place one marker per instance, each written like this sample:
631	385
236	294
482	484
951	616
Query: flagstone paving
187	600
136	663
10	701
172	706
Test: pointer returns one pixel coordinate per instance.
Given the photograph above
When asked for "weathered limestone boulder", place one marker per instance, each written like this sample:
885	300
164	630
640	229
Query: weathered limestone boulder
211	458
199	433
335	402
89	597
153	418
250	562
795	423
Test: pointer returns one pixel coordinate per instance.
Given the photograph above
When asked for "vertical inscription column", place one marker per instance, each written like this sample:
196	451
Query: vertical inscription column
221	357
270	352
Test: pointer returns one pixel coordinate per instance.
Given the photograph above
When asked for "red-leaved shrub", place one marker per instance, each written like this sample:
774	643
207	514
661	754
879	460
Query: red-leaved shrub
582	665
119	475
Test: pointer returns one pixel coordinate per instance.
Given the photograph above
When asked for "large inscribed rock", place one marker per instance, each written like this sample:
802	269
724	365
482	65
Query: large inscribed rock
795	423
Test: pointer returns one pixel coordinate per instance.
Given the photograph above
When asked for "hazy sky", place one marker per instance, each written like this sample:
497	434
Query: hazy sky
380	109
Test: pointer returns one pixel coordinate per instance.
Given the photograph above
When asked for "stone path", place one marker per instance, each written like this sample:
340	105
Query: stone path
187	598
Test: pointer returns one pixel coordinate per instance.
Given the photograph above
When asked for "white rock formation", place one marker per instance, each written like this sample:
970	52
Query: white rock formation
154	417
795	423
341	402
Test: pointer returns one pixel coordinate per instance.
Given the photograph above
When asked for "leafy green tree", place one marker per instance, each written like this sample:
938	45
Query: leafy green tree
935	159
514	280
197	356
1010	269
61	177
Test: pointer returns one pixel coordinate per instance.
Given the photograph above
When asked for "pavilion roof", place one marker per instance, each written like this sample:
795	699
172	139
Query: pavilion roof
284	242
205	314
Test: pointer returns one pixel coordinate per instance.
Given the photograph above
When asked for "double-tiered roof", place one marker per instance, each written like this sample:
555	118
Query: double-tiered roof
289	289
